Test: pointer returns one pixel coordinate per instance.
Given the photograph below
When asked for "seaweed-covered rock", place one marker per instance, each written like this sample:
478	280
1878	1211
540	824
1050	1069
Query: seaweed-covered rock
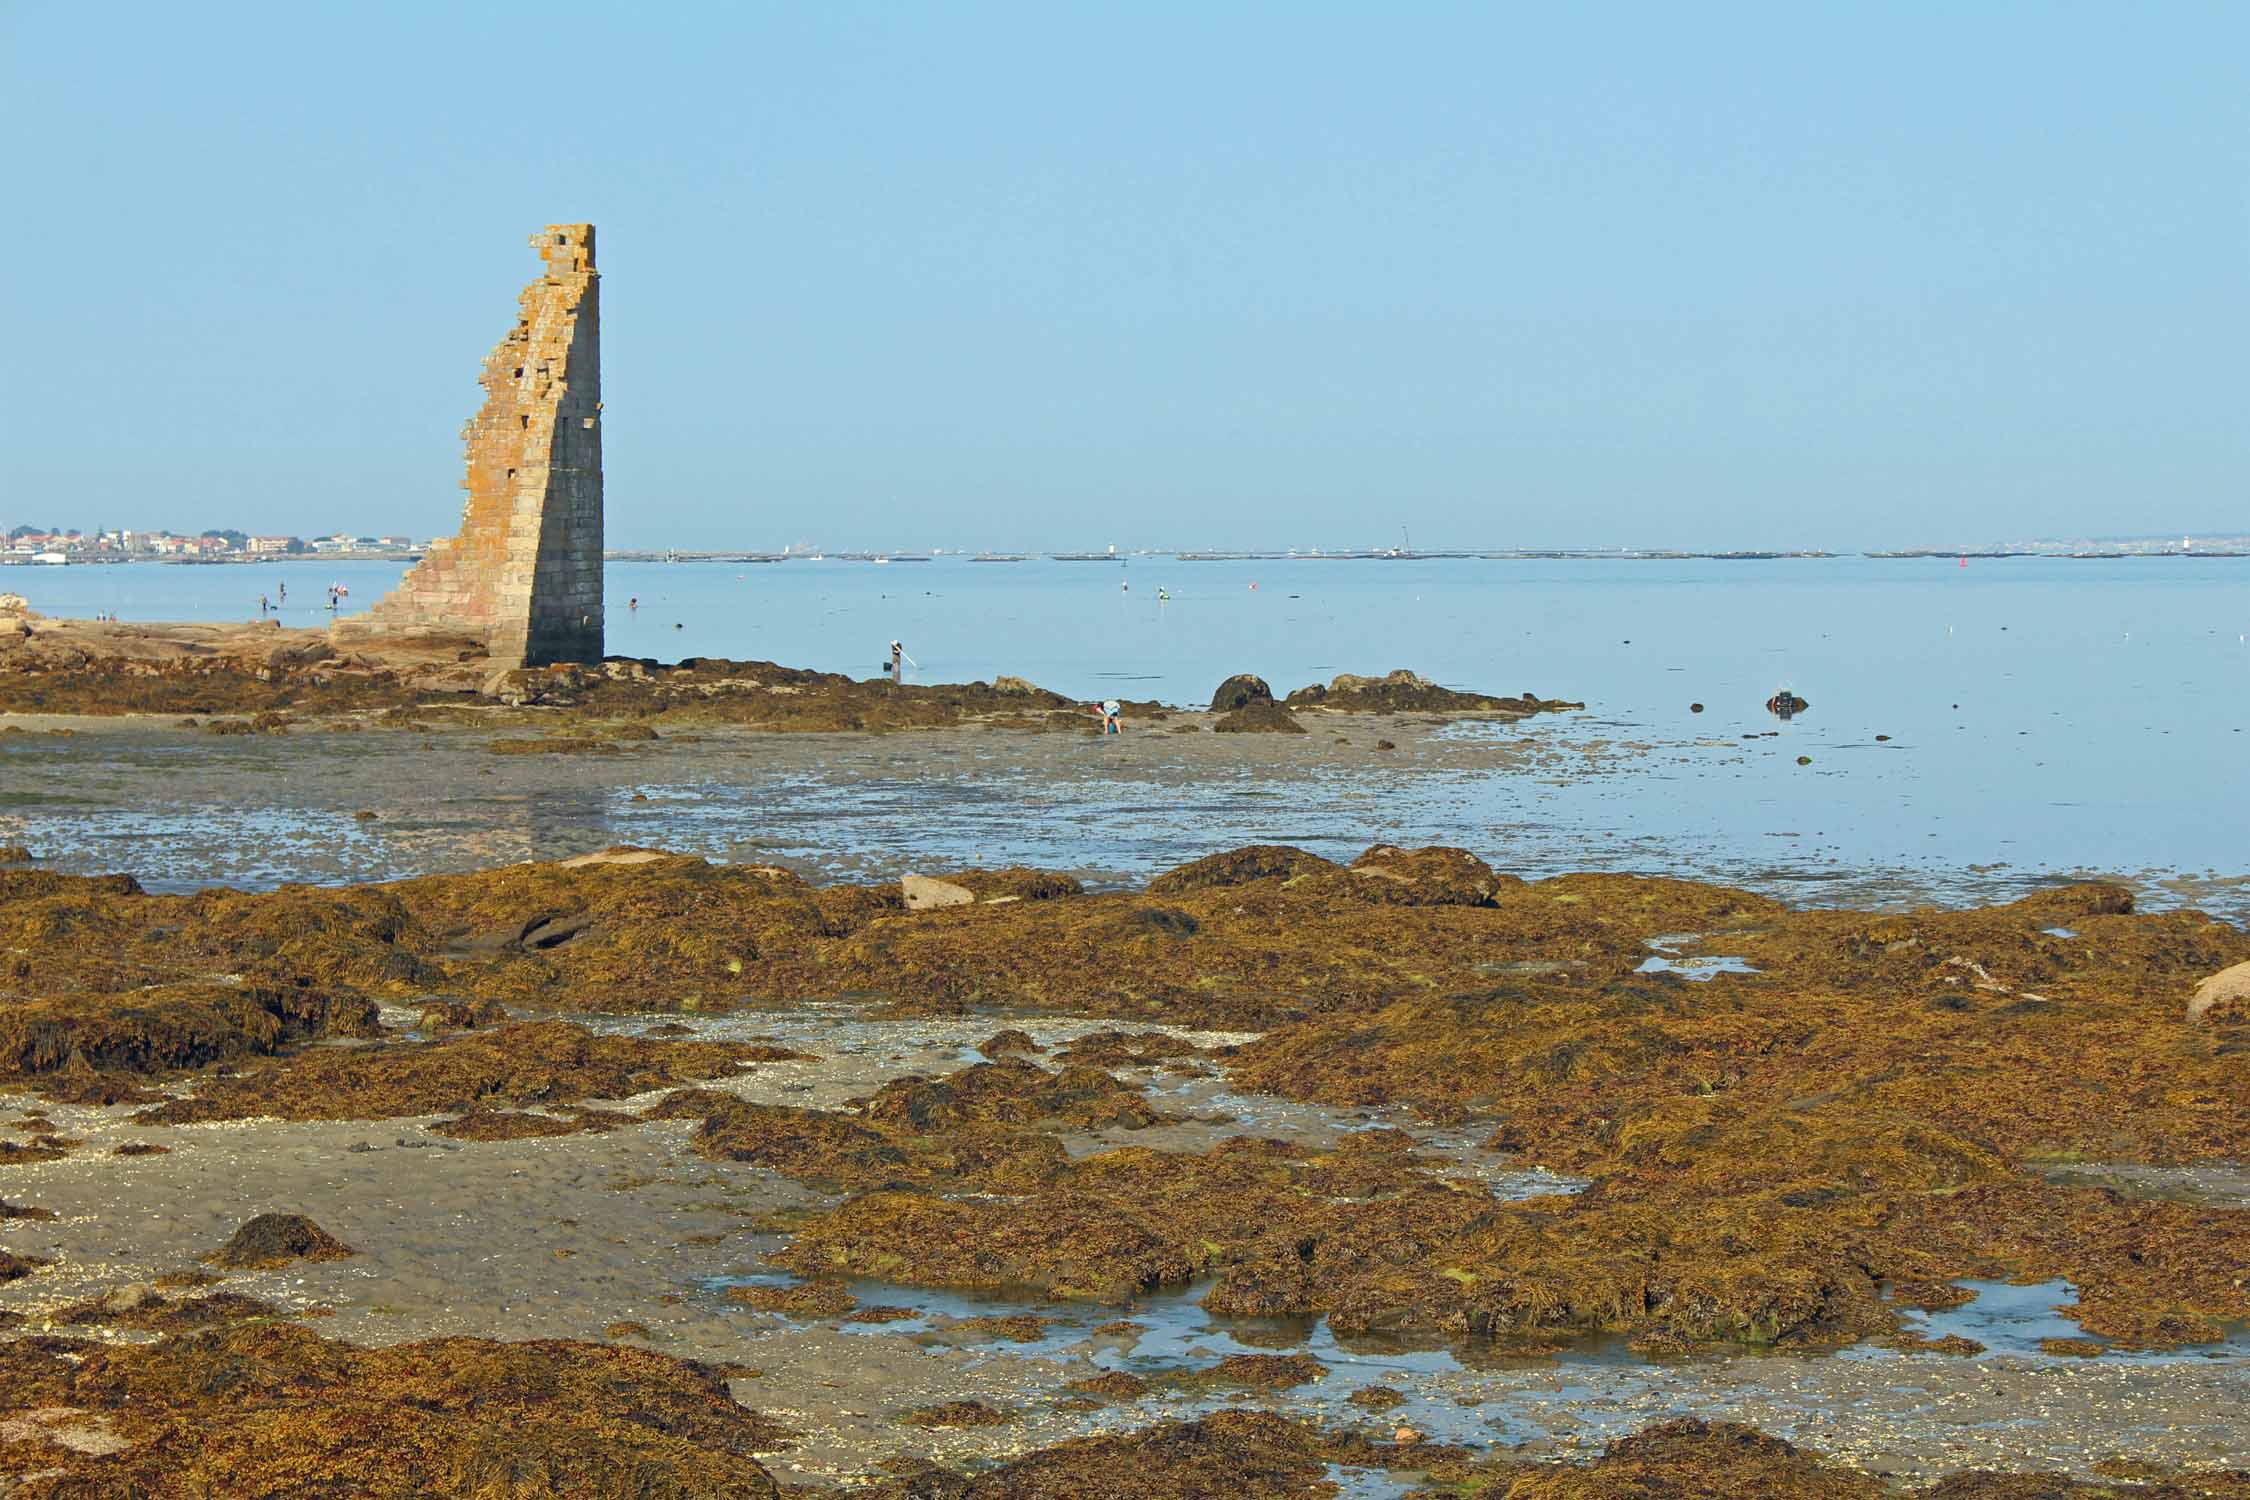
459	1015
1008	1091
529	1062
1015	883
149	1310
806	1299
1403	691
170	1026
1260	717
1240	691
1435	876
1007	1043
1271	1372
1128	1049
14	1267
270	1241
503	1125
1239	867
252	1407
957	1414
1242	1455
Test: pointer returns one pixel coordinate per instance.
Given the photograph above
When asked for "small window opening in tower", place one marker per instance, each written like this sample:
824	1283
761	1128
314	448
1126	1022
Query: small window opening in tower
519	372
523	421
562	239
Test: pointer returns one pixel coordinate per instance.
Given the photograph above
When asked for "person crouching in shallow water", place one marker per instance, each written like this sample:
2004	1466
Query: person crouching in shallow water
1110	710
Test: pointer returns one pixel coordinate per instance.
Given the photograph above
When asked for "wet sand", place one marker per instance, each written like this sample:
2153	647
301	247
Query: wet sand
1548	795
194	809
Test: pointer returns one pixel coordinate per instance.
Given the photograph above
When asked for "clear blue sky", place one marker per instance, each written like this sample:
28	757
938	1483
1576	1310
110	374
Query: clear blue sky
1211	274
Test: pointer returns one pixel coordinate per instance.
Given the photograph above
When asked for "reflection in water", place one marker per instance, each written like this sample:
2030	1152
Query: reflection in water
2011	1320
1698	967
1547	798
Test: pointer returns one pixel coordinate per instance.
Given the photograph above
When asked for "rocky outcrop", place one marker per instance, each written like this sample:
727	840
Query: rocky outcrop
1240	691
1424	877
1403	691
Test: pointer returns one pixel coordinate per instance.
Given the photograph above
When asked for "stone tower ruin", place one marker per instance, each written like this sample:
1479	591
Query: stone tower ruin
524	576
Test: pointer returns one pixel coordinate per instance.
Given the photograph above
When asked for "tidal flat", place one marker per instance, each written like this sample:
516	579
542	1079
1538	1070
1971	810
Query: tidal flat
1272	1174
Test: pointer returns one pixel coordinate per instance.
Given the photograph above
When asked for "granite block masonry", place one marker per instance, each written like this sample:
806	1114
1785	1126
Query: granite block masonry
524	576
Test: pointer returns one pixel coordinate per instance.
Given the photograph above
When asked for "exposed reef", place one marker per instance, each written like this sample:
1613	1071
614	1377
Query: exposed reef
262	678
1259	1456
1403	691
1852	1113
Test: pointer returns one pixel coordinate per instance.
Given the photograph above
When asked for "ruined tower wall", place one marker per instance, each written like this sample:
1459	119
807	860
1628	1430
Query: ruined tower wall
524	574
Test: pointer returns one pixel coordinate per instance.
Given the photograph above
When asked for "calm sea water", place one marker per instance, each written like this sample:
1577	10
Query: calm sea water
2045	716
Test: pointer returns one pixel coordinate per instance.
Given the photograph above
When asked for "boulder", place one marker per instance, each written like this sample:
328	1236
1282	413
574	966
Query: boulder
1260	716
15	604
1240	867
1435	876
133	1298
1353	682
1013	883
1005	1043
504	685
1015	687
616	854
2229	988
300	654
459	1015
1240	691
926	893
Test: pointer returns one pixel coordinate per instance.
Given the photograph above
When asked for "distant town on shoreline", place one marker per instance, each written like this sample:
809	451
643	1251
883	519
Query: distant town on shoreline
35	546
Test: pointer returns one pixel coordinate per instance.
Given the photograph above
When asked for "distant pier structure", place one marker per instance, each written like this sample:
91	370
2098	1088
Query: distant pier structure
524	575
